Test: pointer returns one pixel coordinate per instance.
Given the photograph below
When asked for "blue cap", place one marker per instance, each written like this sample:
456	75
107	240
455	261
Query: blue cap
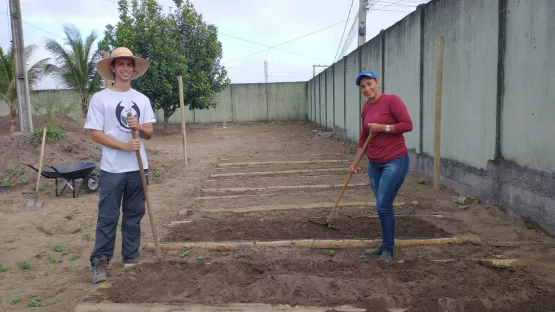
366	73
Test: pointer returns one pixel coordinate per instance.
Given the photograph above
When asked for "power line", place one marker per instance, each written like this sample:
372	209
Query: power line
24	22
268	46
316	31
344	28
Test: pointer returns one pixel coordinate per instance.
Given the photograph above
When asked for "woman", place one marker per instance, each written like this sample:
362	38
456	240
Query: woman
387	118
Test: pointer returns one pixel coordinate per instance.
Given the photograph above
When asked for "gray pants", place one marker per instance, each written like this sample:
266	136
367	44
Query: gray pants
117	189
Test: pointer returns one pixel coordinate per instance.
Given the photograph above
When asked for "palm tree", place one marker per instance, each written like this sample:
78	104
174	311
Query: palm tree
7	77
75	66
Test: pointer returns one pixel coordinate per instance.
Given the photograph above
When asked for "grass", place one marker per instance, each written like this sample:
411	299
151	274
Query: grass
53	135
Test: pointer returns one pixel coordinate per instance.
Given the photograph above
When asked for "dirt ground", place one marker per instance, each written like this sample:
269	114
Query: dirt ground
44	253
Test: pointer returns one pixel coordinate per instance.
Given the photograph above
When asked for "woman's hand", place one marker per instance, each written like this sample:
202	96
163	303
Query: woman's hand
376	127
354	170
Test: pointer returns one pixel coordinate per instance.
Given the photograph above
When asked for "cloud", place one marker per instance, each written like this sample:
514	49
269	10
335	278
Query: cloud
263	22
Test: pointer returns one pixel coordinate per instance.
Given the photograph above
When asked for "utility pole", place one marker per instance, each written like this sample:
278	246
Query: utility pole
314	69
266	71
363	6
21	80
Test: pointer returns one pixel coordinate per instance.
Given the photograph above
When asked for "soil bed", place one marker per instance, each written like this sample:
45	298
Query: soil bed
337	179
343	166
418	285
290	197
272	156
294	224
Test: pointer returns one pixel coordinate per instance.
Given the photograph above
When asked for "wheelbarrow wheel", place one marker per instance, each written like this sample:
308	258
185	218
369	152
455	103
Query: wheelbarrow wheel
91	183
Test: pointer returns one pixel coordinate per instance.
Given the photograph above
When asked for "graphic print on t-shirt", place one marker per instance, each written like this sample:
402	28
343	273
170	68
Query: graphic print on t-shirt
121	115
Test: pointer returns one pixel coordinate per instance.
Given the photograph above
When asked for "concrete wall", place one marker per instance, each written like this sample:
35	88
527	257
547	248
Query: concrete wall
237	103
498	101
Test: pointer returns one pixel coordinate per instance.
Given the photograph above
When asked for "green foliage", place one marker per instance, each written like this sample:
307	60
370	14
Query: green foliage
178	43
7	74
75	65
34	302
53	134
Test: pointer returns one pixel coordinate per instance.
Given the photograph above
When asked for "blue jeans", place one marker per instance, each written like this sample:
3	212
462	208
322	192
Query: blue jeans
386	180
125	190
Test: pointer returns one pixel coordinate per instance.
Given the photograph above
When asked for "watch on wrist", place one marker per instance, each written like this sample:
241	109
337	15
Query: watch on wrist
387	128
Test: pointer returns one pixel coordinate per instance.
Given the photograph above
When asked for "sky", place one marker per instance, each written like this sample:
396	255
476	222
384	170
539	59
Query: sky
245	27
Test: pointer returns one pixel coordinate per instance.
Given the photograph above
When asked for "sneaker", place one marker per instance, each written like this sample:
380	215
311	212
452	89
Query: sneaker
387	255
99	270
374	252
136	260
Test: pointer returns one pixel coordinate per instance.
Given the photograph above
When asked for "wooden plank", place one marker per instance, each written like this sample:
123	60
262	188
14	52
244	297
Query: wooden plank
232	307
282	172
283	162
315	243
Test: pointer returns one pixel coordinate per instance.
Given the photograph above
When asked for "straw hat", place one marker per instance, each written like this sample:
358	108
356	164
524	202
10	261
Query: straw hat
103	66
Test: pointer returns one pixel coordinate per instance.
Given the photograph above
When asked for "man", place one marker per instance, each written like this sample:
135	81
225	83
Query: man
120	179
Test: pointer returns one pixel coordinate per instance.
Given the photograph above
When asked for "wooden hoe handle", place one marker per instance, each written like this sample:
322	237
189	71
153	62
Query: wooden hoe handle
357	162
157	249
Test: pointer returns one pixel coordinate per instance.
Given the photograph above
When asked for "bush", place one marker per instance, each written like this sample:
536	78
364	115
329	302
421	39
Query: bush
53	134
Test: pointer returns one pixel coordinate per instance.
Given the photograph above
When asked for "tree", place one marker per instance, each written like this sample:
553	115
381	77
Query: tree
177	43
76	66
7	77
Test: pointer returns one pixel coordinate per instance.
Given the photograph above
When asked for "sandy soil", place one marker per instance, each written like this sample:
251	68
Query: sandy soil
285	275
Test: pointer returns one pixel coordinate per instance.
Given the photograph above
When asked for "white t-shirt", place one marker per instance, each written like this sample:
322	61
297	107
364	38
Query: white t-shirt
108	112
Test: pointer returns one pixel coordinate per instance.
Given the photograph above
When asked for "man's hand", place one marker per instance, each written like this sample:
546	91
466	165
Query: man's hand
133	123
133	145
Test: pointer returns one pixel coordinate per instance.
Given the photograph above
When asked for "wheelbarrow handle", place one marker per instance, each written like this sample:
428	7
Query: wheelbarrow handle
42	173
50	166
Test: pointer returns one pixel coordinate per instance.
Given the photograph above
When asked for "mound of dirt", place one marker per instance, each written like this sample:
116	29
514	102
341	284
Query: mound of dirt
63	122
417	285
16	148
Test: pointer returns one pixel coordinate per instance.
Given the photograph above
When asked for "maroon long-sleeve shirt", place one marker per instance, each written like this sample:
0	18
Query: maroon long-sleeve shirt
384	146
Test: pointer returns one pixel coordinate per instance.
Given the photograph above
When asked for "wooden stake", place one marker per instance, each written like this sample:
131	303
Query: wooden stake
283	162
292	207
437	132
315	243
182	107
268	173
107	83
282	187
235	307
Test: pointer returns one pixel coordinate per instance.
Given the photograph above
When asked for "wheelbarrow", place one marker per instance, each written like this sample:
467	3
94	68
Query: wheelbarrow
67	173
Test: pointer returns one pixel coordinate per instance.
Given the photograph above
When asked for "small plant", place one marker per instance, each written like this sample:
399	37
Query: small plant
3	269
25	266
185	253
52	260
16	299
59	248
16	171
87	235
331	253
65	253
34	302
69	215
5	182
73	257
202	258
53	302
422	181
